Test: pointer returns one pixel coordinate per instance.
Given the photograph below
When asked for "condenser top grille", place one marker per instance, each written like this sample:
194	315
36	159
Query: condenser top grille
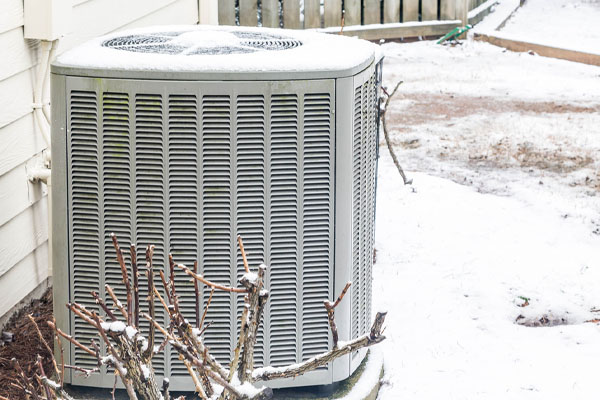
221	53
194	42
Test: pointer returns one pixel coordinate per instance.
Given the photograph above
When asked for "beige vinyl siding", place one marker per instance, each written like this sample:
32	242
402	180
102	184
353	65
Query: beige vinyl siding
23	205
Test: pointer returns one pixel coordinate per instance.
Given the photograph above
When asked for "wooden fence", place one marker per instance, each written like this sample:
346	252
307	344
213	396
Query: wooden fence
299	14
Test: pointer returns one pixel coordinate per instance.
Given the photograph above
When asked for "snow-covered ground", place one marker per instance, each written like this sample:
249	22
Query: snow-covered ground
504	150
557	22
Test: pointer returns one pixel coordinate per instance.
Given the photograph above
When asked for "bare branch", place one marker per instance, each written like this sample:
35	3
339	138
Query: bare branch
116	301
387	135
209	283
72	340
331	314
241	243
104	307
257	298
136	285
42	373
374	337
46	345
150	277
197	296
62	351
81	312
125	276
212	292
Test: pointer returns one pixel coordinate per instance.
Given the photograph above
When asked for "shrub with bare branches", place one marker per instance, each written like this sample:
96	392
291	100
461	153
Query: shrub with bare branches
130	353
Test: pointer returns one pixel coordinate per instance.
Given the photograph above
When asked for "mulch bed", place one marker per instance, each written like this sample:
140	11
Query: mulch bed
26	345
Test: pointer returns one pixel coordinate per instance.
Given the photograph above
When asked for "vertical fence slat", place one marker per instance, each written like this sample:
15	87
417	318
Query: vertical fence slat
391	11
352	12
270	13
291	14
333	13
248	13
447	9
226	12
372	12
462	10
410	10
312	14
429	10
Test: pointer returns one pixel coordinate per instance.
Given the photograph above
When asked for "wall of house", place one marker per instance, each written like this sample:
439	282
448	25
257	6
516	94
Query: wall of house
23	205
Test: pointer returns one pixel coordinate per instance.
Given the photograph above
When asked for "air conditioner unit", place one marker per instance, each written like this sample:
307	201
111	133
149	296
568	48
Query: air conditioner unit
186	136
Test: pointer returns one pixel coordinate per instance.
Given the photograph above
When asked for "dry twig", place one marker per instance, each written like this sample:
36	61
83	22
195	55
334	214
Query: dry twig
387	135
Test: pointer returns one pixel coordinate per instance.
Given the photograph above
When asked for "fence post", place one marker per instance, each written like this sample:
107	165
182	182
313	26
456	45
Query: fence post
462	11
208	12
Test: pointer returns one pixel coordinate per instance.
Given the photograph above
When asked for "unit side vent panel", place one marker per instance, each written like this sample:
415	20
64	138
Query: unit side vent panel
364	148
217	228
183	200
283	223
316	249
85	215
250	201
150	204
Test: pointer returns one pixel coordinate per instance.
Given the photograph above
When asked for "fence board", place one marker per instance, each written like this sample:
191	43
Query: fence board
391	11
333	13
248	13
410	10
226	12
429	10
447	10
312	14
291	14
352	12
371	12
270	13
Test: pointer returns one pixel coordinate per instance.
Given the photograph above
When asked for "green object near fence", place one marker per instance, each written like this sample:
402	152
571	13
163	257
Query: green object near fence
454	33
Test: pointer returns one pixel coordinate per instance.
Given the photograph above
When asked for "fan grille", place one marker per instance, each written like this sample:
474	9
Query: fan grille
167	43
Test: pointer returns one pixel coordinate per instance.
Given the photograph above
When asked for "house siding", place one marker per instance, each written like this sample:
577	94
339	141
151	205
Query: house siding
23	205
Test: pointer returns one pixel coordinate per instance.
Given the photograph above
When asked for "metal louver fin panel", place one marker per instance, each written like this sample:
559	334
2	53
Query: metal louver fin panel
250	193
116	184
370	234
363	203
116	193
316	230
85	217
150	199
217	219
186	168
183	200
283	225
356	212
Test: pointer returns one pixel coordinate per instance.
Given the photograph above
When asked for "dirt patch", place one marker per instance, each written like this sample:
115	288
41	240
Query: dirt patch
545	320
423	107
497	133
26	345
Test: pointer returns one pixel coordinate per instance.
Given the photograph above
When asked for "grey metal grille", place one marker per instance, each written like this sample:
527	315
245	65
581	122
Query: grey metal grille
187	169
167	43
364	158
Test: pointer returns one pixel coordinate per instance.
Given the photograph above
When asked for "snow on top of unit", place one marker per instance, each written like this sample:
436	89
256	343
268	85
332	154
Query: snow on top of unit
193	48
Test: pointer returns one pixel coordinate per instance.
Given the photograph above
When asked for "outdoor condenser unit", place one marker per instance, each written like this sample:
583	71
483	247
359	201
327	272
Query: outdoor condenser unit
186	136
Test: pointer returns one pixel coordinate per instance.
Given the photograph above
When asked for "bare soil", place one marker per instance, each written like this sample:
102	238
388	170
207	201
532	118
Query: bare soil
424	107
26	345
429	122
